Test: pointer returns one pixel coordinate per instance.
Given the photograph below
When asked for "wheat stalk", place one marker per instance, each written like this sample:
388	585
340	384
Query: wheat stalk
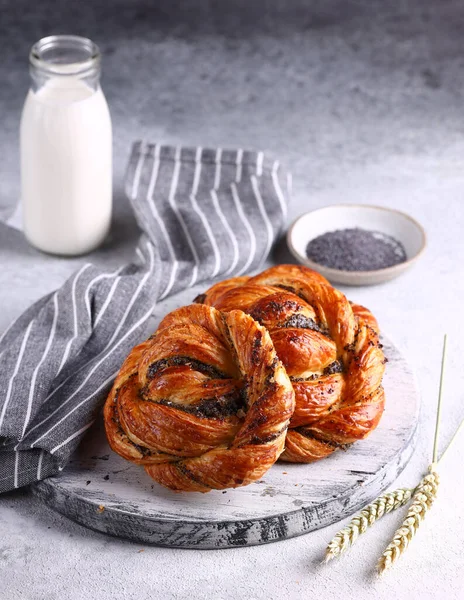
422	496
347	536
422	500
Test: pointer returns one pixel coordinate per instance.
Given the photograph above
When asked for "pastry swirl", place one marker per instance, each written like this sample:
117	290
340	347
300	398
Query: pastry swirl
329	348
202	404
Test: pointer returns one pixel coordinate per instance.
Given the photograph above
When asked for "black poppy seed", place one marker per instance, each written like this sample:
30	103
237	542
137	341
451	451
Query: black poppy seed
356	250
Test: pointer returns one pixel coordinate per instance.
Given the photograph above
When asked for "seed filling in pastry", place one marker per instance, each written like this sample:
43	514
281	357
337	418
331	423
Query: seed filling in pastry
204	403
276	366
329	347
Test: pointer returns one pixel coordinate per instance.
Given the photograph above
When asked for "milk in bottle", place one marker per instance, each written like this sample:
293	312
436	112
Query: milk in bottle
66	149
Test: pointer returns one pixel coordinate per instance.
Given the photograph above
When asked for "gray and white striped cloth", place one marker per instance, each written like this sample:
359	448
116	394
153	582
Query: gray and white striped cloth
204	214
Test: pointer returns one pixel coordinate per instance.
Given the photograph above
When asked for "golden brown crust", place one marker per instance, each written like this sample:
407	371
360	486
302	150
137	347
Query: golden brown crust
329	347
365	315
204	403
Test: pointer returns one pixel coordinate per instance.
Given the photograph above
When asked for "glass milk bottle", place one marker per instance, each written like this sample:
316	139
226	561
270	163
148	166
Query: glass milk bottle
66	148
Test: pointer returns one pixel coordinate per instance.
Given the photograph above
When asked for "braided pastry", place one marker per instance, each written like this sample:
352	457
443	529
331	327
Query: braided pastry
329	348
202	404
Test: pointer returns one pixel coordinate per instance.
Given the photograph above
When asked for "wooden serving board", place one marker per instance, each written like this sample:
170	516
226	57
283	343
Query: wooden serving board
104	492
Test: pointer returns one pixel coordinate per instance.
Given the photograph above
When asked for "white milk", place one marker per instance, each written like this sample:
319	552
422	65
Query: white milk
66	166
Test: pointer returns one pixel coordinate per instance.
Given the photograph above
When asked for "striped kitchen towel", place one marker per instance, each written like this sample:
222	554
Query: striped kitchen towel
204	214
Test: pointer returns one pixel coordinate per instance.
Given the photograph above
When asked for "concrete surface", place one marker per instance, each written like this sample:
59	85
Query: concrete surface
364	101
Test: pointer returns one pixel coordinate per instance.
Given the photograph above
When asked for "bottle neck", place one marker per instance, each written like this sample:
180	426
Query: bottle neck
66	58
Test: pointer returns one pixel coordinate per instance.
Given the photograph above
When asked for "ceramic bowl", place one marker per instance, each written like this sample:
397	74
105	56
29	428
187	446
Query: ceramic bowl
346	216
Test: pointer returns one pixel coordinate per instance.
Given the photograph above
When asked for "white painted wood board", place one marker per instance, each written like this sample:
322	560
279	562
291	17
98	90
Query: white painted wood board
290	500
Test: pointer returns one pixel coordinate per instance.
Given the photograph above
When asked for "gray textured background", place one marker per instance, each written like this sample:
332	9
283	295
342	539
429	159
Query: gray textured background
325	84
364	102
